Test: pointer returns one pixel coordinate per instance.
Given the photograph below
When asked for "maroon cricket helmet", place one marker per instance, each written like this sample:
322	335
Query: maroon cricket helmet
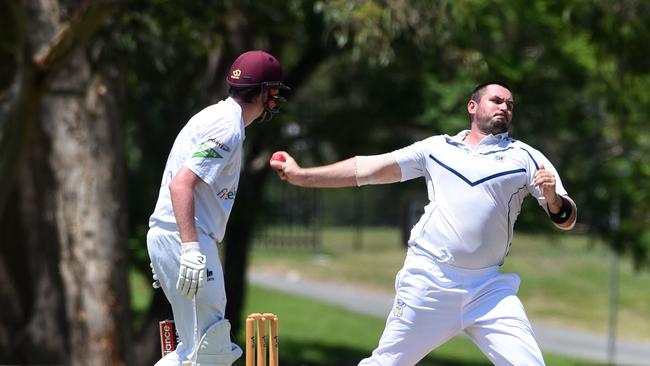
255	68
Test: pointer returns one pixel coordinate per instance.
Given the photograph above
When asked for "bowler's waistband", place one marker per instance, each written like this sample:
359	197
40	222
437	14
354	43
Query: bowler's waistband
416	259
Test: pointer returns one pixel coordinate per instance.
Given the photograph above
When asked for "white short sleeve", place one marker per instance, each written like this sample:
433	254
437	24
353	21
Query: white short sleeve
213	152
412	159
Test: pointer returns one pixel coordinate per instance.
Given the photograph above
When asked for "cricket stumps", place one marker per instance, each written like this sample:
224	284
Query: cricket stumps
261	348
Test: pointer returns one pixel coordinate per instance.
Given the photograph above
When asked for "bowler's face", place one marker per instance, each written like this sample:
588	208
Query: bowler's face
493	113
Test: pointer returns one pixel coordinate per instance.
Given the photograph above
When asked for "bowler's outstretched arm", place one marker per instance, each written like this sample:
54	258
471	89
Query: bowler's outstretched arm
355	171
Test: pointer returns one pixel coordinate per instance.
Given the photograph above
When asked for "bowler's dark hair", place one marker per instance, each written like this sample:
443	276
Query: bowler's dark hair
477	93
245	94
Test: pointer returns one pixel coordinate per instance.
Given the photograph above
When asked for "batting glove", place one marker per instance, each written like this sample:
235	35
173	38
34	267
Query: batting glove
192	275
156	281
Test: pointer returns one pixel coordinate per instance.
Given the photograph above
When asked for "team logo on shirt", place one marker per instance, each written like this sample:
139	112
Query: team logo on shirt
219	144
209	274
498	158
398	310
226	194
205	151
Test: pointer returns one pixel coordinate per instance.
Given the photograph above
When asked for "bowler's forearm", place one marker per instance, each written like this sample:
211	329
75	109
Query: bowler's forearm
337	175
356	171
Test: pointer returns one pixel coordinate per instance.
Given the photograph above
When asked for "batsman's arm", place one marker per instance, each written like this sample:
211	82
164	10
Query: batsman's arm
181	189
356	171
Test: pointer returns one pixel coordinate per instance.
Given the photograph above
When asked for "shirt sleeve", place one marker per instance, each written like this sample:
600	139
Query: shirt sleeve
535	160
412	159
212	152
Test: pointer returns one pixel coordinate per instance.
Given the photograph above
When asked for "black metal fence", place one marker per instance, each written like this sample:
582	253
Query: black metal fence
296	216
293	218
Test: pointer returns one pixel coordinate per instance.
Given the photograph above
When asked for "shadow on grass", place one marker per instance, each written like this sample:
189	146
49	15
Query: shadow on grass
313	354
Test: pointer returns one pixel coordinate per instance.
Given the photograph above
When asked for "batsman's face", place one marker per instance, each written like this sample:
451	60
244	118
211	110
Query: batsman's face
493	113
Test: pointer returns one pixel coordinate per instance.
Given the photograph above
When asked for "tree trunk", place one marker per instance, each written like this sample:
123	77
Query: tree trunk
63	258
78	117
64	243
33	329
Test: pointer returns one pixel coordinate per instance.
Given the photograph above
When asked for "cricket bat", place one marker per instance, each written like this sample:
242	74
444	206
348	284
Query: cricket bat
168	336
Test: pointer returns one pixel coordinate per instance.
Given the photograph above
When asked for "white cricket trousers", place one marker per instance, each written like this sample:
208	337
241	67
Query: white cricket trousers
434	302
164	248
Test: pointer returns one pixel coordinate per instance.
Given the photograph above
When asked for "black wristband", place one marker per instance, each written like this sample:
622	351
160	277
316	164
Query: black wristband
563	215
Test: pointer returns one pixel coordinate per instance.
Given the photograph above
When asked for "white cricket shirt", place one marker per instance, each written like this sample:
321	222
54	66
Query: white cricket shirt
475	195
210	145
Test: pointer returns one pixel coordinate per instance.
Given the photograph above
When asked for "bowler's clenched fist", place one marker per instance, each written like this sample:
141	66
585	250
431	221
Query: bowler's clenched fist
545	181
284	165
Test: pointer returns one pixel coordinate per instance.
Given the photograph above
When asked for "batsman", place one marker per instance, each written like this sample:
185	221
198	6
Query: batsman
197	193
451	280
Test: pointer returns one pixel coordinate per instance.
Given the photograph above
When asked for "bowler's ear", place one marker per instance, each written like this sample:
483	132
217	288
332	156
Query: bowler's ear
471	106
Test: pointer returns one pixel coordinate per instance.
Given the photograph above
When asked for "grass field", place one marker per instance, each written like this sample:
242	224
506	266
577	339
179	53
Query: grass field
564	281
312	333
564	277
315	334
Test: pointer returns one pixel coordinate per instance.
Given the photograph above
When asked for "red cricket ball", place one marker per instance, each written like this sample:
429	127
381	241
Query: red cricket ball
278	156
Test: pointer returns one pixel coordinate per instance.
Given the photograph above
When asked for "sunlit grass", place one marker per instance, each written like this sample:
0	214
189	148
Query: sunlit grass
141	294
312	333
565	278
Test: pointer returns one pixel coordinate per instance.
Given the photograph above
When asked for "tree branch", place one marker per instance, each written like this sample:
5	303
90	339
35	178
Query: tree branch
19	103
74	34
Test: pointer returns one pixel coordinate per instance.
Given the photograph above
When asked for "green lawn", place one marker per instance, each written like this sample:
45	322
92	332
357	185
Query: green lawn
564	277
564	280
312	333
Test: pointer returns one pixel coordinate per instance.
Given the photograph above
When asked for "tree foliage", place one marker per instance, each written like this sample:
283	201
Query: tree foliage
368	76
578	74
